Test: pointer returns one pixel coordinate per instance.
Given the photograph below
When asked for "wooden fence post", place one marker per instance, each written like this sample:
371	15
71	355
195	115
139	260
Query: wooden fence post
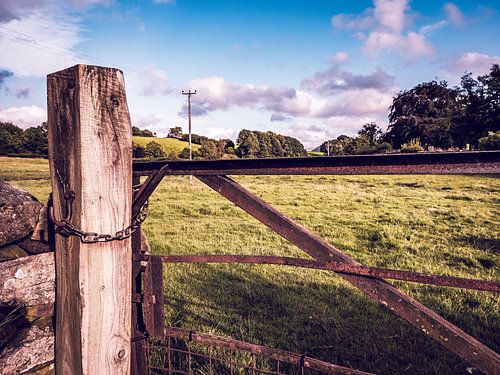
90	154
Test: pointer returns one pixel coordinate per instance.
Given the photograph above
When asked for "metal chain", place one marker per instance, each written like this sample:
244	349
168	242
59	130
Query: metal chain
65	228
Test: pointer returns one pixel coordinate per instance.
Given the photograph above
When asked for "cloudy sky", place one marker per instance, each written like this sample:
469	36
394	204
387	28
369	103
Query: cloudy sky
310	69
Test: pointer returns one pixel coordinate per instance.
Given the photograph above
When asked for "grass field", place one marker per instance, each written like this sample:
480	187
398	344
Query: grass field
441	224
168	144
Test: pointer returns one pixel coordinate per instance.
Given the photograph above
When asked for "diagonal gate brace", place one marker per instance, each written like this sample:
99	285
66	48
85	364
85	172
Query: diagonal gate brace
421	317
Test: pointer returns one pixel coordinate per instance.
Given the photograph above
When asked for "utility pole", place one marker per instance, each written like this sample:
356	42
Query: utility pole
189	93
328	148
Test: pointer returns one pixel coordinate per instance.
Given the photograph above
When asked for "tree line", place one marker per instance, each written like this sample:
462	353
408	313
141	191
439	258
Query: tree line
16	141
251	144
431	114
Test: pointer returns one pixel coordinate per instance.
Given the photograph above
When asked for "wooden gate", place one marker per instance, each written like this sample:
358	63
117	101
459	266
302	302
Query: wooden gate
91	170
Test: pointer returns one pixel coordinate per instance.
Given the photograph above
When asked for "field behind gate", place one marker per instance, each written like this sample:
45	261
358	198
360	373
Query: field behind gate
439	224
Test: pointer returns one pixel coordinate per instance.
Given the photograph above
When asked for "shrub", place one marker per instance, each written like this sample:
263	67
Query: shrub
383	147
184	154
490	142
138	151
154	150
412	146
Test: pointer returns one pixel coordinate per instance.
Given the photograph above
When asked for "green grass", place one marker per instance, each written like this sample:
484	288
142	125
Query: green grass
437	224
168	144
315	153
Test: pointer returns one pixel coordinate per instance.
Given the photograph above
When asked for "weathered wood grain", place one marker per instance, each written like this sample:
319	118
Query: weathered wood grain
90	141
153	306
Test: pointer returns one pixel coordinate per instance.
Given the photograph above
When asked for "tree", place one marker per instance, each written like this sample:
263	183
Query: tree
211	150
256	144
10	138
175	132
35	140
414	110
228	144
440	133
154	150
338	146
195	138
371	131
491	84
248	144
136	132
184	154
490	142
138	151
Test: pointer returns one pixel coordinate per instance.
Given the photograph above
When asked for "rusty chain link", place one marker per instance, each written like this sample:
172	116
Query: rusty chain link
66	228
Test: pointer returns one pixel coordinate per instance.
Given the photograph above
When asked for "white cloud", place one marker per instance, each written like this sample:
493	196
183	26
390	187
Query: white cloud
163	1
366	96
333	80
24	117
311	135
39	42
363	21
339	57
215	93
221	133
355	103
391	14
280	117
153	80
386	25
453	14
80	4
143	121
429	29
11	9
474	62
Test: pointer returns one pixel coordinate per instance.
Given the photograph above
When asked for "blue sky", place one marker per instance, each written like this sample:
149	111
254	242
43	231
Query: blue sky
309	69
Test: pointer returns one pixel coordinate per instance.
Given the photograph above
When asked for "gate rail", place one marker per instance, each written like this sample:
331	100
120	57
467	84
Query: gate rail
176	354
326	256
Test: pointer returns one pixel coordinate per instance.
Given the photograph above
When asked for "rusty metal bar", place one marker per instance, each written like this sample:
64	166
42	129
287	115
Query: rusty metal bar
484	162
264	351
421	317
343	268
146	189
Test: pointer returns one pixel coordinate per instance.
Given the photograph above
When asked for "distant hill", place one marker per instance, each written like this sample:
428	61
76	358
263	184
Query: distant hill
168	144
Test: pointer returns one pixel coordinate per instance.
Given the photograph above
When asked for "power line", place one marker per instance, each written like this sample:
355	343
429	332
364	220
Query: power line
31	41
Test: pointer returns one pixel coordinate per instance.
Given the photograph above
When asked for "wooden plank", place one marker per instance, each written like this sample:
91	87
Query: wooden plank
90	154
154	315
421	317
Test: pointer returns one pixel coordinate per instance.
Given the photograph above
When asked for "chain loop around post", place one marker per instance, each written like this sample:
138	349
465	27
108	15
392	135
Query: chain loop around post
65	228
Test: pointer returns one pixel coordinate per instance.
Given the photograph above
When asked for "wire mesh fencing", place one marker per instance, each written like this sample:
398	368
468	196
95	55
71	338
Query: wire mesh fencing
188	352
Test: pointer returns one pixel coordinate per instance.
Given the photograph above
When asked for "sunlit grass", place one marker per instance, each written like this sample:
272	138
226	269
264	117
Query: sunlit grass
437	224
168	144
